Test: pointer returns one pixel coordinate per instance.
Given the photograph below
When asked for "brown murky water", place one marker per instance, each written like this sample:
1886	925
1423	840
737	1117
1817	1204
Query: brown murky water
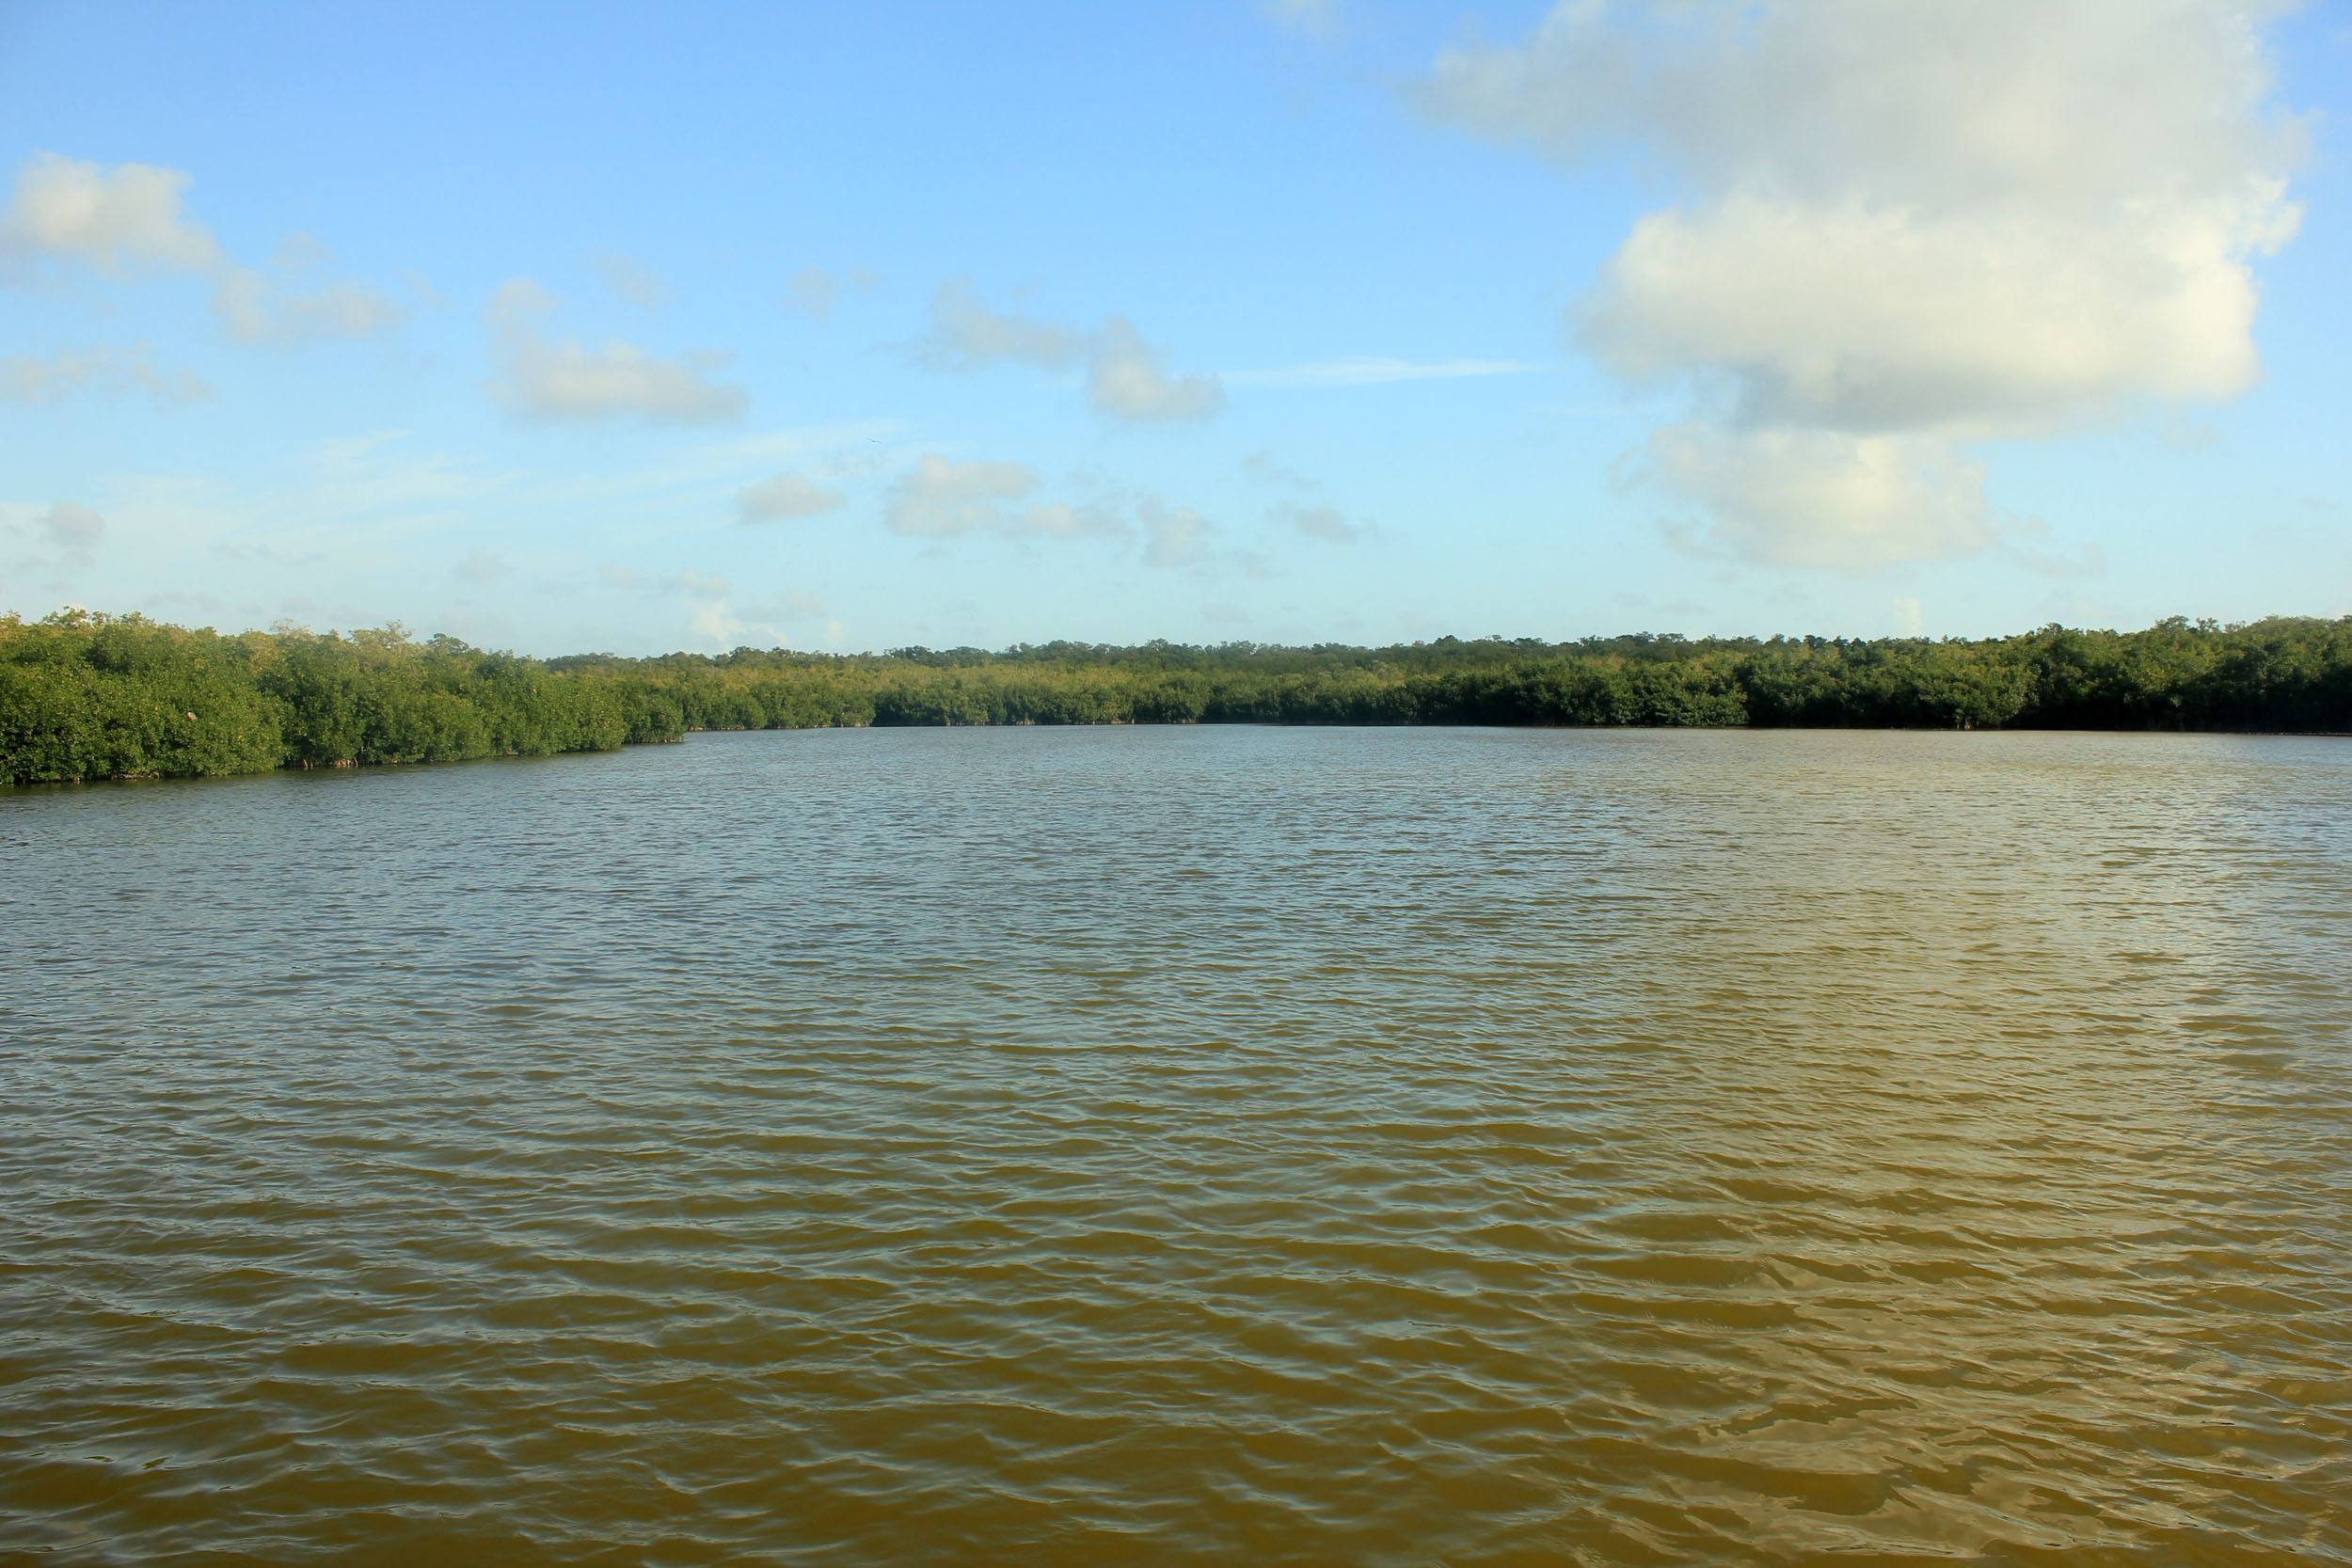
1141	1145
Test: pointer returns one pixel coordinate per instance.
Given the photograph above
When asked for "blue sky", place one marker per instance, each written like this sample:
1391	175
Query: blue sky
581	327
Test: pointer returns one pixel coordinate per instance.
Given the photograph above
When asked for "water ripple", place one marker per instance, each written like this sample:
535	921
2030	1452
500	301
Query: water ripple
1145	1145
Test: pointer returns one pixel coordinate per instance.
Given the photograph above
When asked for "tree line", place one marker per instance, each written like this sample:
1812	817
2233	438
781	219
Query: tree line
93	696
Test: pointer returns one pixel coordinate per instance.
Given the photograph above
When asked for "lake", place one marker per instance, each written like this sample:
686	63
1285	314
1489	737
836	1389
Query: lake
1235	1145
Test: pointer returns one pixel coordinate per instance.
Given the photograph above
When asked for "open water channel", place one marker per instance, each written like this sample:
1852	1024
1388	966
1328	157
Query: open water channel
1188	1145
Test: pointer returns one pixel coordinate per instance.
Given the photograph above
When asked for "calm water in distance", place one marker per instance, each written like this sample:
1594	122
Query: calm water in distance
1186	1146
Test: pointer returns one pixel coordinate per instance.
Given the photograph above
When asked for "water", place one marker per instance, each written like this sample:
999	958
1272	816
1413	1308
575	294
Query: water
1159	1145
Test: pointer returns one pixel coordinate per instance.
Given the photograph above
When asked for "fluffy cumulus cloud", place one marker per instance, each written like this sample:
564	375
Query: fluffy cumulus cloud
1828	497
115	219
966	335
1126	379
128	218
1909	225
1173	535
783	496
565	382
938	498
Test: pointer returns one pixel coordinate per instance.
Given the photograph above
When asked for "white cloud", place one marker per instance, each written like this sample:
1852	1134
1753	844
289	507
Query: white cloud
792	605
782	495
484	565
1908	225
1173	535
73	529
1862	318
68	533
129	215
256	309
1374	372
1126	381
938	498
699	585
565	382
1058	520
1124	377
631	278
724	624
1262	466
1827	498
25	379
1322	522
1315	18
301	250
113	218
966	335
813	292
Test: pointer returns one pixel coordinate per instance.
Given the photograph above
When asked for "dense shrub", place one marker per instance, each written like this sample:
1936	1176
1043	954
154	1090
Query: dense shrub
88	696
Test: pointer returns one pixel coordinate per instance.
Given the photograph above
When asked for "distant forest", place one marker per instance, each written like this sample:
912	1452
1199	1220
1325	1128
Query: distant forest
88	696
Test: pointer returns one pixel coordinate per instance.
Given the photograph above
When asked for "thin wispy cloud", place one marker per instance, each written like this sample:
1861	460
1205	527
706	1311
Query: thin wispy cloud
1317	18
700	585
1326	523
53	378
782	497
255	307
630	279
1127	377
813	292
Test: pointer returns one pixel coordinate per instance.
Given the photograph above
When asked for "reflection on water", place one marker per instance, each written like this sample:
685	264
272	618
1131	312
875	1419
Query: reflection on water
1153	1145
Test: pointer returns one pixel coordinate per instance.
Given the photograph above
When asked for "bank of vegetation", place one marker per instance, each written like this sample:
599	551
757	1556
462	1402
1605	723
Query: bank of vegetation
86	696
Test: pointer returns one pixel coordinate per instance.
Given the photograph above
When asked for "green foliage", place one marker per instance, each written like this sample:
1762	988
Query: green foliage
85	696
88	696
2274	675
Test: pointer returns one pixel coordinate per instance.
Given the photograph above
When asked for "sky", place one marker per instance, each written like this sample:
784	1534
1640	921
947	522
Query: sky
575	328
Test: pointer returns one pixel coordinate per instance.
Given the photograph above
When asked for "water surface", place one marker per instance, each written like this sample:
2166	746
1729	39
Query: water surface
1188	1145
